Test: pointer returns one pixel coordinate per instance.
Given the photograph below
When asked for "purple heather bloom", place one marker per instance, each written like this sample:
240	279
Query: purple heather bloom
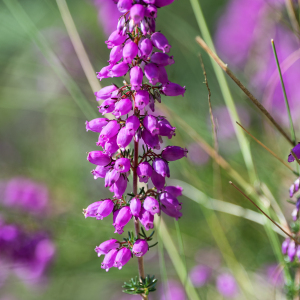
165	128
144	171
121	218
141	99
104	247
160	42
135	206
285	246
119	70
116	54
175	191
138	135
130	51
104	209
274	275
162	59
162	75
151	72
150	140
101	141
146	218
122	107
122	165
173	89
122	258
109	259
151	205
161	167
151	103
100	171
120	186
151	11
106	92
104	72
200	275
91	210
172	153
296	150
124	5
149	1
111	146
161	3
227	285
124	138
291	252
132	124
137	13
294	187
140	248
98	158
96	125
144	26
146	48
151	124
158	180
168	199
115	39
111	177
174	291
121	27
107	106
152	25
110	130
136	78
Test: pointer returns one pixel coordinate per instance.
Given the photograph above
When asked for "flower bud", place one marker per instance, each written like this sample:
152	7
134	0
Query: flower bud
111	146
120	186
121	24
168	199
165	128
171	211
151	205
144	171
158	180
101	141
121	218
162	75
111	177
146	48
98	158
115	54
160	42
106	92
294	187
151	124
151	11
150	140
122	165
119	70
115	39
96	125
173	89
172	153
175	191
137	13
138	134
135	206
162	59
141	99
104	72
124	138
296	150
132	123
122	258
104	209
285	246
130	51
136	78
152	25
104	247
124	5
100	171
144	26
140	248
161	3
122	107
109	260
291	250
146	218
91	210
161	167
151	72
107	106
110	130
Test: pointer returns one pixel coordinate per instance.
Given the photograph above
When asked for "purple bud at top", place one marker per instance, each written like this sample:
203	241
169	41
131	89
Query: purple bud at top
172	153
111	146
104	209
162	75
120	186
132	123
91	210
200	275
146	219
104	247
151	72
175	191
104	72
161	3
107	106
130	51
115	39
122	258
291	250
136	78
141	99
285	246
165	128
162	59
137	13
98	158
124	5
111	177
144	171
173	89
160	42
122	107
227	285
122	217
115	54
122	165
146	48
109	260
110	130
296	150
161	167
100	171
168	199
150	140
151	124
158	180
140	248
151	205
151	11
96	125
105	92
119	70
124	138
135	206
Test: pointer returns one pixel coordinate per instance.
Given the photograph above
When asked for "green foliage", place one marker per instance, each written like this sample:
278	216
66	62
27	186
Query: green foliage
138	286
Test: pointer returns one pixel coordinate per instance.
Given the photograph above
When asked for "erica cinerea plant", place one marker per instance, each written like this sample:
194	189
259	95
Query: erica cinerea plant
139	50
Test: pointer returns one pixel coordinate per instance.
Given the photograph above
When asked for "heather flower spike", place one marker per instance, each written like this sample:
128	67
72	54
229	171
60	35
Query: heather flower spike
139	51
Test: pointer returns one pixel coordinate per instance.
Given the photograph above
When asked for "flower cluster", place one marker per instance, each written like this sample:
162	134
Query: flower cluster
137	49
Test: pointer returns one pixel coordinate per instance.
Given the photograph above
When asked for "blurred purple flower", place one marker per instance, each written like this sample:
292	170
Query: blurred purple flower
227	285
174	291
197	155
275	275
200	275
